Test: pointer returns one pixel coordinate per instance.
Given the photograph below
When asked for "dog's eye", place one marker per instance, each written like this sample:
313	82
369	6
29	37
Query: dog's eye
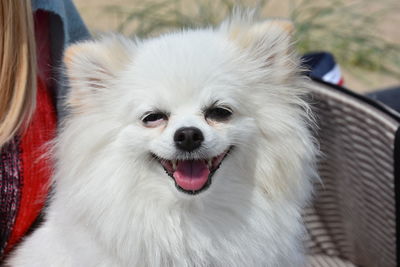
154	119
218	114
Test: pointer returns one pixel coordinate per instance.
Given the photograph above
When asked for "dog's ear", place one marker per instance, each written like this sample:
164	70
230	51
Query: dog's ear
268	41
92	65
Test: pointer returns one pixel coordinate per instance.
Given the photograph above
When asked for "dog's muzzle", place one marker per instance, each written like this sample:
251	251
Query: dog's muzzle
192	176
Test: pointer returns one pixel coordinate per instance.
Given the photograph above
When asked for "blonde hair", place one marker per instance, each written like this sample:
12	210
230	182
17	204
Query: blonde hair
17	67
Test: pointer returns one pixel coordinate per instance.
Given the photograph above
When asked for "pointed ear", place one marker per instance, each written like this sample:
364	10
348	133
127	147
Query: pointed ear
92	65
269	41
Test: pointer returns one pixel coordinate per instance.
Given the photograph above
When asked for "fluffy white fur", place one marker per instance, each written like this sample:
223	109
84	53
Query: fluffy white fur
114	205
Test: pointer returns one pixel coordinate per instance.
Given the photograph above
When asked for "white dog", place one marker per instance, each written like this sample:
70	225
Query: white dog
189	149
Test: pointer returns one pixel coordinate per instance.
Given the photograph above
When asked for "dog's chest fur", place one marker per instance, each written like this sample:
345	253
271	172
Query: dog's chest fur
247	234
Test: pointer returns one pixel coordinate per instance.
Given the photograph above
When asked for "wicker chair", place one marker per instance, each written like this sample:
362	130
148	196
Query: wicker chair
352	220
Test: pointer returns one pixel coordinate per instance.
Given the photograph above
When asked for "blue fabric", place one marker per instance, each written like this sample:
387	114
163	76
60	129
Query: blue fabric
73	27
318	64
66	27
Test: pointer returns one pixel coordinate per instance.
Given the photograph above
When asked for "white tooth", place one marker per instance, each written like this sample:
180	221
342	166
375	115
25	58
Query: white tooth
174	164
209	163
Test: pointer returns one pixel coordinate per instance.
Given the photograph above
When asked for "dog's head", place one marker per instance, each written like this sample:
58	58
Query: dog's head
193	110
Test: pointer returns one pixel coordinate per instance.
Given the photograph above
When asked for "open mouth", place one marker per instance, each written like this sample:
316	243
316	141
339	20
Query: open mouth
194	175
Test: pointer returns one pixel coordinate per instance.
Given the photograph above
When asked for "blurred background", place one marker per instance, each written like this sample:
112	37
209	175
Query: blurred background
363	35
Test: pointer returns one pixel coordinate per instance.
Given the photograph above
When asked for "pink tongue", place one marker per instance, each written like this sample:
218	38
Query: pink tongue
191	174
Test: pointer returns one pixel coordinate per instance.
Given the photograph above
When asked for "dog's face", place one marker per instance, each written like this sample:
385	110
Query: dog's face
190	135
189	108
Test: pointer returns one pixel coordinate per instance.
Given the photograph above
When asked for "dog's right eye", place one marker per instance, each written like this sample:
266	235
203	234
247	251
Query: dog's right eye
154	119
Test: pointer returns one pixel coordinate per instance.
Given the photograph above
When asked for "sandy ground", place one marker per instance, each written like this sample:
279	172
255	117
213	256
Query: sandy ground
99	20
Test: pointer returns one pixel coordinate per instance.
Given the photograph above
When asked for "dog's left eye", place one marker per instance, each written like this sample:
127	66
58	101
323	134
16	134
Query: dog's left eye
218	114
154	119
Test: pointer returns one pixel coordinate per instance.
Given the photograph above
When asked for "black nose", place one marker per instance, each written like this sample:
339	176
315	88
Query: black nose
188	138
